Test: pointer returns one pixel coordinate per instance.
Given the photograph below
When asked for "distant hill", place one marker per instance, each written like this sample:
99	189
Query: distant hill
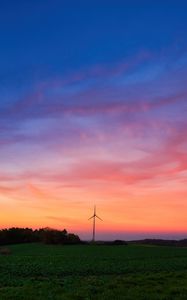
161	242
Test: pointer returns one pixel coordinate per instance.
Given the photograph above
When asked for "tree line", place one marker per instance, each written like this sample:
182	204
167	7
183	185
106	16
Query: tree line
47	235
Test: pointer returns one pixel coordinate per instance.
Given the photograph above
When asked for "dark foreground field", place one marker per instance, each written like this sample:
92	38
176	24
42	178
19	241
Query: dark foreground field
35	271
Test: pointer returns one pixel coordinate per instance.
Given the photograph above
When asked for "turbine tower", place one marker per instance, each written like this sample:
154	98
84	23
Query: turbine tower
93	217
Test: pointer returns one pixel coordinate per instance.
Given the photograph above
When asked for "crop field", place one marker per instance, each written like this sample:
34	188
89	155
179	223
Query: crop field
35	271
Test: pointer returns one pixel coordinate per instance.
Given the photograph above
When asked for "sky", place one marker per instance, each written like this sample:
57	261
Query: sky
93	111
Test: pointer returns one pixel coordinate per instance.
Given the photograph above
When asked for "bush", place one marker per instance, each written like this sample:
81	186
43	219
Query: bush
5	251
119	242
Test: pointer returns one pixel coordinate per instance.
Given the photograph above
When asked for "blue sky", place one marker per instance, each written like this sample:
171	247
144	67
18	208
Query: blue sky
52	38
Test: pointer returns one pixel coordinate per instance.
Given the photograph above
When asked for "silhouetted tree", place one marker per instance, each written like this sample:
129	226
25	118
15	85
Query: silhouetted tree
73	239
47	235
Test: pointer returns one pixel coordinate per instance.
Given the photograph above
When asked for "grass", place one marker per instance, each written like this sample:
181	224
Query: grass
35	271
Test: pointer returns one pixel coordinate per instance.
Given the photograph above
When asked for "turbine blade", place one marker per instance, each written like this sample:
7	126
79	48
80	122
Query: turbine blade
98	218
91	217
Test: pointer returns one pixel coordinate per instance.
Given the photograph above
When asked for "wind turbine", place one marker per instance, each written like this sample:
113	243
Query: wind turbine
93	217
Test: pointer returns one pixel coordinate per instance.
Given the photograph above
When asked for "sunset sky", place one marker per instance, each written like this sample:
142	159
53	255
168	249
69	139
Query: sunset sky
93	110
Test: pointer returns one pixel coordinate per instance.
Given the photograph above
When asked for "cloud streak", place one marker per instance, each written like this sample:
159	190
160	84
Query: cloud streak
104	133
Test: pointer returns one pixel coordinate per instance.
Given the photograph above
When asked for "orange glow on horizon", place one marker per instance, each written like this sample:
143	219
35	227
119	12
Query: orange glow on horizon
140	212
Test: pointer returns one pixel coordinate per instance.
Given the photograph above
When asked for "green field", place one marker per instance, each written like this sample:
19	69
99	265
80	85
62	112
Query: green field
35	271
